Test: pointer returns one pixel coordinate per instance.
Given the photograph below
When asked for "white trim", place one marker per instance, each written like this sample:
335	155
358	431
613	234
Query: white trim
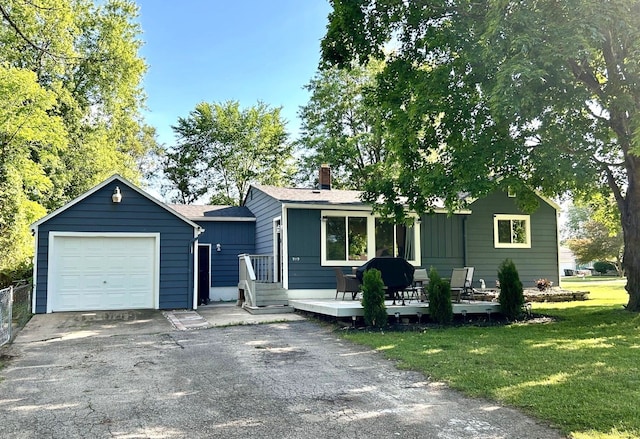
194	271
503	217
95	189
371	245
275	244
359	207
52	262
285	247
35	273
238	219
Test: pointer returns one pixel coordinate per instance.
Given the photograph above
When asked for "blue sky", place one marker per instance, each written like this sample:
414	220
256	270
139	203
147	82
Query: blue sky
220	50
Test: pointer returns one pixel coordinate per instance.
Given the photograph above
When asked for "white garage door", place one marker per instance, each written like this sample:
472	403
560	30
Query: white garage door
102	272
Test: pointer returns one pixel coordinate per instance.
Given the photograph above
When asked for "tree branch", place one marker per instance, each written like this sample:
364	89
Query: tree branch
587	77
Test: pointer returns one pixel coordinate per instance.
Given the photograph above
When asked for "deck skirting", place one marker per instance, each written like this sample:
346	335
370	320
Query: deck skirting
350	308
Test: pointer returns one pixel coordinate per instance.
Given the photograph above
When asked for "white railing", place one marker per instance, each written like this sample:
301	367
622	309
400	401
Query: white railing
254	269
263	268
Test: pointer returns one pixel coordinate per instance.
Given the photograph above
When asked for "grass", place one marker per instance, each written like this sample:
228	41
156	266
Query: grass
581	372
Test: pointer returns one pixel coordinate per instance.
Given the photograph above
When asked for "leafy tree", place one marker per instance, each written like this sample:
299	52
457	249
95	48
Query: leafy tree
543	95
340	126
222	149
70	98
594	232
597	244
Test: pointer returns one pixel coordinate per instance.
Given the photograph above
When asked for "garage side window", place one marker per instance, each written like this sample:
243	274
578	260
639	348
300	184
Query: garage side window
512	231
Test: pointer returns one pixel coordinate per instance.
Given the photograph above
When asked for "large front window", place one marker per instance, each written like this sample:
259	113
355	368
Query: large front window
351	238
346	238
511	231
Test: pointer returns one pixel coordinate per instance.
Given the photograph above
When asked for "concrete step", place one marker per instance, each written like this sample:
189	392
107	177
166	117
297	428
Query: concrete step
272	309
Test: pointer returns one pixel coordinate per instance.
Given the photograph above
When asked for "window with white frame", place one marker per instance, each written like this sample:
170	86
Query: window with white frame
352	238
511	231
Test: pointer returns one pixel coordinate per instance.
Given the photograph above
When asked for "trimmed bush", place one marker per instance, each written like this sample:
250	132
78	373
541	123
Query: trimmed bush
375	312
440	308
511	297
603	267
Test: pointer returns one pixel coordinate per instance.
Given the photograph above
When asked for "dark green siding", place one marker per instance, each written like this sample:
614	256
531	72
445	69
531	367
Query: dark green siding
541	260
442	242
135	213
305	270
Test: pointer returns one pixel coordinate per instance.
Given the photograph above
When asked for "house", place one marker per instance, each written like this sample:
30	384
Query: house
311	231
117	247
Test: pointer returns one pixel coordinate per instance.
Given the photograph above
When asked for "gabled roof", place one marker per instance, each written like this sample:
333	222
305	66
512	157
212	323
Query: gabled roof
124	182
214	213
311	196
329	197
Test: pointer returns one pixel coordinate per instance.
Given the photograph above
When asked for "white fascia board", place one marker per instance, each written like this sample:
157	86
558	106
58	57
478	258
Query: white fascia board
362	208
239	219
96	188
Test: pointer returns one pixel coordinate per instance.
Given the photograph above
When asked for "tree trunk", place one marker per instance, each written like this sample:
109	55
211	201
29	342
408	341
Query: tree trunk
630	216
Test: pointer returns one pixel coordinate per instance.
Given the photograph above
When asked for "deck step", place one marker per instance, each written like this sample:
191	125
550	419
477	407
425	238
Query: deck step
271	295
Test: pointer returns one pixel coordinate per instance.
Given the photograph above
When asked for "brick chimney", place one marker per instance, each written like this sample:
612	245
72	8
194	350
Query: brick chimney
325	176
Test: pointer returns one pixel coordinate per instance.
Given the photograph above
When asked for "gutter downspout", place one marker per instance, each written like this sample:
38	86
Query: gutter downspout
34	290
464	241
193	266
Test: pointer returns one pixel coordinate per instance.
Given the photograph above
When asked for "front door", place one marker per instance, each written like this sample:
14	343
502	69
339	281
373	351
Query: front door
204	273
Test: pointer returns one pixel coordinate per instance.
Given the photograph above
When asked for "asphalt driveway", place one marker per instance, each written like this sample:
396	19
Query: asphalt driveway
137	377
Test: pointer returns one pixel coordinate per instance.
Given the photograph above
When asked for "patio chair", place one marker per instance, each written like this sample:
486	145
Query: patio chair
346	284
468	293
417	290
458	284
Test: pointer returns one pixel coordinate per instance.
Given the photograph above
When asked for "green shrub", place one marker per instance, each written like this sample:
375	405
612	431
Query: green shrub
23	272
375	312
440	308
511	297
603	267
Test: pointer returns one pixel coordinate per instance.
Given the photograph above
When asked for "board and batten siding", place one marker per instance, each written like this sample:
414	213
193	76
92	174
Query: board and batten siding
539	261
235	238
442	242
134	214
265	208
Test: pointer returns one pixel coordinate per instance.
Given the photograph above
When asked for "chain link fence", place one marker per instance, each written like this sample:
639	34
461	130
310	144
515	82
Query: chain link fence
6	315
15	309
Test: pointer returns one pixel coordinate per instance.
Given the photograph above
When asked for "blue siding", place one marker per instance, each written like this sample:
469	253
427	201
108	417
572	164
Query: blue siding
541	260
135	214
265	208
235	238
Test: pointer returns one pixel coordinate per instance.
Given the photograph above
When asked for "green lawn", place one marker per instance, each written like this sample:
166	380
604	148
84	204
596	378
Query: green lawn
581	372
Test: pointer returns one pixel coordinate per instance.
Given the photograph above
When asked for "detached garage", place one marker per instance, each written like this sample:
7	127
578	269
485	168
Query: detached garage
114	248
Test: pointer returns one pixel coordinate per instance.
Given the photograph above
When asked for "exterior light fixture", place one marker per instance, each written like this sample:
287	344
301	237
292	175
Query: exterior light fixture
218	247
397	317
419	314
117	196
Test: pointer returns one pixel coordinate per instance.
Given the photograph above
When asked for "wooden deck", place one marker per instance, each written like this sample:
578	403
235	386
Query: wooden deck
350	308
